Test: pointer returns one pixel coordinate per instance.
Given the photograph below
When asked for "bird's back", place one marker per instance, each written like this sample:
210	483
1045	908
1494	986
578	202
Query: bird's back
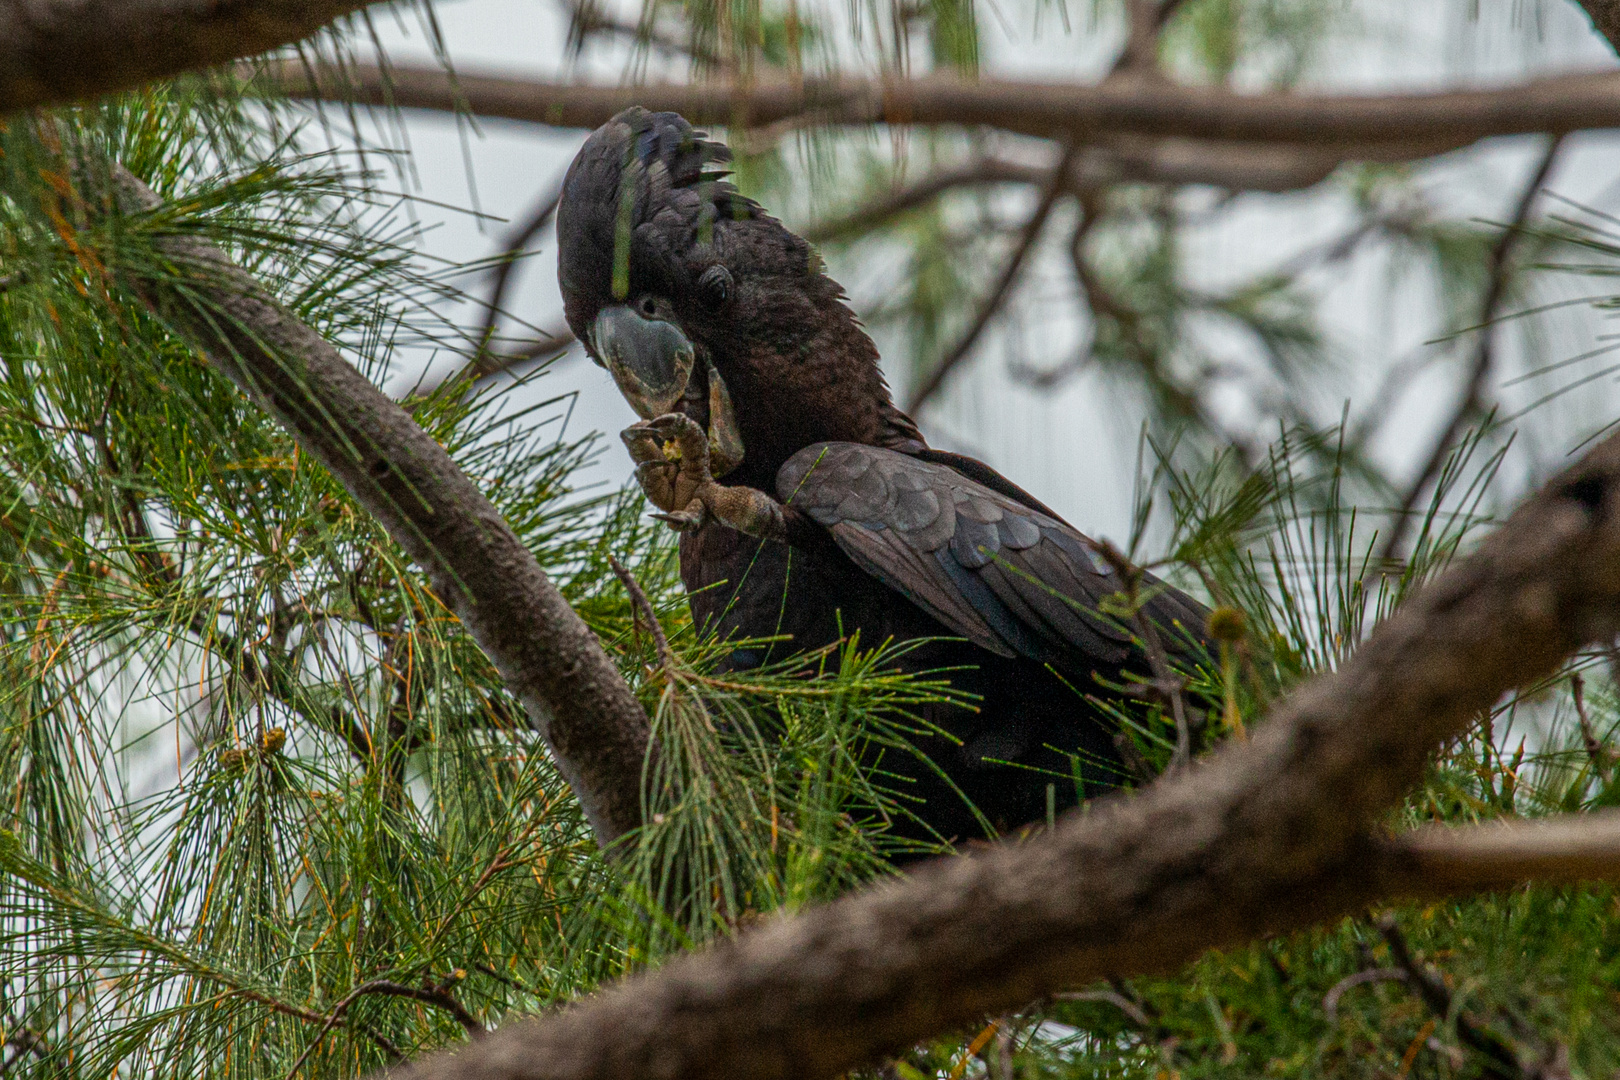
1034	742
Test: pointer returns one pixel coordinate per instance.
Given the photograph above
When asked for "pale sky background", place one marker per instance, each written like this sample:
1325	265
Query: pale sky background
1075	446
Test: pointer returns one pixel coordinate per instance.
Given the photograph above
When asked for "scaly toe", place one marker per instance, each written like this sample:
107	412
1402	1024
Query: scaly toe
681	520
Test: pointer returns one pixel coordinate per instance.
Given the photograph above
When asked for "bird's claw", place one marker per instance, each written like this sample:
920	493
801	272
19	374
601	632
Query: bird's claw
672	466
688	520
671	453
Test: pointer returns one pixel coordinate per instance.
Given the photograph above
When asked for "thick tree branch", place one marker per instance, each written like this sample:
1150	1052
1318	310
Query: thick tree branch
1385	126
575	697
56	51
1268	835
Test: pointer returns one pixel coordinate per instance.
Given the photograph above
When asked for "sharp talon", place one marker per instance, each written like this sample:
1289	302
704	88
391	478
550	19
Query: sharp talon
682	520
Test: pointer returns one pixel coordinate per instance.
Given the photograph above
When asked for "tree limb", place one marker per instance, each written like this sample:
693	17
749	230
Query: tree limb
57	51
1264	836
1372	127
1154	161
1560	850
576	699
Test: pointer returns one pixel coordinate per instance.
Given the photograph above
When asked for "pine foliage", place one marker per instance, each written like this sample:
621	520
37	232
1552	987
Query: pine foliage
268	812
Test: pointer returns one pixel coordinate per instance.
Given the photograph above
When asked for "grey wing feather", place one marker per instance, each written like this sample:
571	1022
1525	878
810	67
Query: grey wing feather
1002	574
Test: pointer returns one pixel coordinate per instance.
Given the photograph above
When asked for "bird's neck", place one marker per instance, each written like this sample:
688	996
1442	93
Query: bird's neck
818	381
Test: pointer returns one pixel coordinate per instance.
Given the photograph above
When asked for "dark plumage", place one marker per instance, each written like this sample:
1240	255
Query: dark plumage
700	303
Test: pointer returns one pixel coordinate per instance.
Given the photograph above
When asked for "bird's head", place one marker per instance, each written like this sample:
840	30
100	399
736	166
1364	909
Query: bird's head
697	301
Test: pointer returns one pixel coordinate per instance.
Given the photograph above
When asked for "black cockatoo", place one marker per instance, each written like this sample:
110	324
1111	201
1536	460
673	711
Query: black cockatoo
811	506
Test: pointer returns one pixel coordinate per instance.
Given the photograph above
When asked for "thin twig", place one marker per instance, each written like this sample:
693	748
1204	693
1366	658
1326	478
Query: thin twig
1595	750
642	609
385	1044
1165	679
437	996
554	340
1110	997
587	18
1330	1001
490	970
1131	322
485	361
1501	1060
1056	186
516	242
1000	1067
987	170
1473	399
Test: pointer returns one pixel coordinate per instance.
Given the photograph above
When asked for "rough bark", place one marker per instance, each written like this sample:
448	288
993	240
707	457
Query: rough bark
56	51
1268	835
1383	126
575	697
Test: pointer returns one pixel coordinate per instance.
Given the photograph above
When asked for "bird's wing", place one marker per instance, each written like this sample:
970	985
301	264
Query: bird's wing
1002	574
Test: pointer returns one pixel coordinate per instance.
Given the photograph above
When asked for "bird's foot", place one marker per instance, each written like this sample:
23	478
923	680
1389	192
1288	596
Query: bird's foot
671	453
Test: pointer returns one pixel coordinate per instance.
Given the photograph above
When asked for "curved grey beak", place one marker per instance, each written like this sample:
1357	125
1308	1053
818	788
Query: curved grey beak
650	359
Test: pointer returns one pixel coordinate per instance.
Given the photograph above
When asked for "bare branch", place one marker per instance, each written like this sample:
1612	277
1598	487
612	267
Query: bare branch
1561	850
1140	57
1264	836
485	360
1498	267
586	17
478	568
437	996
891	205
1111	997
1056	186
514	247
1372	127
1501	1063
1156	161
553	341
57	51
1596	752
1144	20
1330	1001
643	609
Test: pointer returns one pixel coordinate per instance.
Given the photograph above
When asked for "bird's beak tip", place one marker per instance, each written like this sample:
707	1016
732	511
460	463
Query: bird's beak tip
650	359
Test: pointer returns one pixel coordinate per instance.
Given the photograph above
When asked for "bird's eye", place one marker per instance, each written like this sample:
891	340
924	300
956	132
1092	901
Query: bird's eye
715	285
649	307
